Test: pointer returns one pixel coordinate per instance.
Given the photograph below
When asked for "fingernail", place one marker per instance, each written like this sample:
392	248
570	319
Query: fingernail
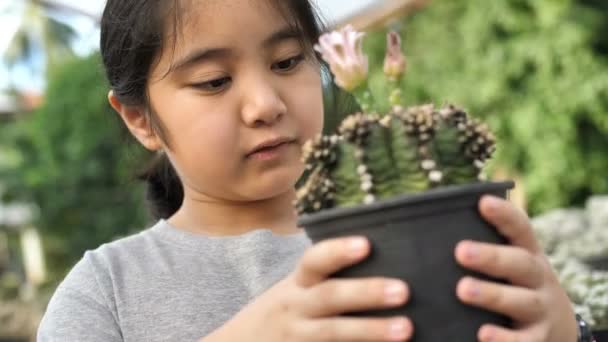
487	334
394	292
397	330
473	288
492	202
472	250
357	246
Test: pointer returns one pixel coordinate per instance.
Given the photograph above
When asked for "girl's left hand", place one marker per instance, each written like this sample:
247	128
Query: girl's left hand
534	299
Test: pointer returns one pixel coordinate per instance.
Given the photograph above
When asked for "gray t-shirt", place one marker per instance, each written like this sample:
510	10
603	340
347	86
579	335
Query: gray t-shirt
165	284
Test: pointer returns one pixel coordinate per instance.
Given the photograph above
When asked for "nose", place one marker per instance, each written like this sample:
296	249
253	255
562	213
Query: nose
262	104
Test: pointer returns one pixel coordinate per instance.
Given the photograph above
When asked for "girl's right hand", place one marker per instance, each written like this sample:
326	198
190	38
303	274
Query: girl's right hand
306	305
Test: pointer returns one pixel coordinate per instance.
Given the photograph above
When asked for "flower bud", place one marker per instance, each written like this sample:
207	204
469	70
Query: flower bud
394	62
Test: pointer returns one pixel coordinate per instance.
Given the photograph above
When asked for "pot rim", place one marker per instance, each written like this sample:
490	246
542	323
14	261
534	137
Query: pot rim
406	199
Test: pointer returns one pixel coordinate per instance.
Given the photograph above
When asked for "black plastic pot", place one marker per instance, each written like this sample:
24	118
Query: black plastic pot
413	238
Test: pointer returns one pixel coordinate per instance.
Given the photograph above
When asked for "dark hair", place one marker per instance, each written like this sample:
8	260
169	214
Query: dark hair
132	34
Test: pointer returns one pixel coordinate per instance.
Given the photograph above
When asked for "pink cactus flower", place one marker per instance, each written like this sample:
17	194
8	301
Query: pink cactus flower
394	62
343	51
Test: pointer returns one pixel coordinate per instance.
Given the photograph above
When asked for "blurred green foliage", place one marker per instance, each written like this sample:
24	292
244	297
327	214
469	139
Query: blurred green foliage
536	71
73	159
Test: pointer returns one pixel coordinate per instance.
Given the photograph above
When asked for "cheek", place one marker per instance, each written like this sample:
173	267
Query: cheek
308	104
205	155
313	117
205	142
200	139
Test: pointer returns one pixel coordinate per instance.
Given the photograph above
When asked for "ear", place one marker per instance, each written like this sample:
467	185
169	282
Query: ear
137	121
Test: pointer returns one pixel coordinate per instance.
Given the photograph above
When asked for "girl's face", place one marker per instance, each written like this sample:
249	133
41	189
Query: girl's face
238	80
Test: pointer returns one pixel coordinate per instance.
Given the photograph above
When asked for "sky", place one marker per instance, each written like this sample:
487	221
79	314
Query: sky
28	77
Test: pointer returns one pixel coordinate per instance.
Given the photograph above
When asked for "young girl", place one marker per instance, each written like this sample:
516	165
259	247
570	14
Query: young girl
226	92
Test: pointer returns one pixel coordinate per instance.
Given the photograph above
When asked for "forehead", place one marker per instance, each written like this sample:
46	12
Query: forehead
222	22
241	26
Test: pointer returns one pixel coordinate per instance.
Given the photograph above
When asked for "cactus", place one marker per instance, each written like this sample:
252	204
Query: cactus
377	156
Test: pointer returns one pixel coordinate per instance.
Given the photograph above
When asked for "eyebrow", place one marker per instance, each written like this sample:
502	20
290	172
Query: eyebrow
286	33
201	55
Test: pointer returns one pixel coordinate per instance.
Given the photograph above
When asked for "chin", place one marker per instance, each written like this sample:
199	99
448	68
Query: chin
273	184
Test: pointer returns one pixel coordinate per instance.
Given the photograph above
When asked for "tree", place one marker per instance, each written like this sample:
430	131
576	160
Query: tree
39	33
75	161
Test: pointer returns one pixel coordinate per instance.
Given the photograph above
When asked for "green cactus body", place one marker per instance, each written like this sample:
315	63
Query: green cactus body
406	151
411	178
380	161
447	150
346	180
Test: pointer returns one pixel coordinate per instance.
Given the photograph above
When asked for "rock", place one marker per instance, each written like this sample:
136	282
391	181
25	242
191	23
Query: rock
559	225
572	238
596	211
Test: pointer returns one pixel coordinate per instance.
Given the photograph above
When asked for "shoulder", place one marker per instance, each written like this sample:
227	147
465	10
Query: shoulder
89	273
121	253
83	306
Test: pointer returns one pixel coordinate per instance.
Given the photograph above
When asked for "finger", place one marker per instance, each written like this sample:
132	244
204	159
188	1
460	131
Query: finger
511	222
515	264
494	333
356	329
338	296
328	257
521	304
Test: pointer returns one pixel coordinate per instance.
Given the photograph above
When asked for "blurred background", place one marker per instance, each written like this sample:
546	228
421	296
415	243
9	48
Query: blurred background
536	71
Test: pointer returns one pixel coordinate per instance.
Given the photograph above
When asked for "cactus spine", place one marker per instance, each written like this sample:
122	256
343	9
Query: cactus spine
406	151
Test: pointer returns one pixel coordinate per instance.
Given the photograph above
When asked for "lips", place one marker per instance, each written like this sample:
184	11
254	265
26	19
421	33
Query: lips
269	144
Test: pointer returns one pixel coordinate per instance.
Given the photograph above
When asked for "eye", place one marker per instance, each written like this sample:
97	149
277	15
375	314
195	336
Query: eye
213	86
288	64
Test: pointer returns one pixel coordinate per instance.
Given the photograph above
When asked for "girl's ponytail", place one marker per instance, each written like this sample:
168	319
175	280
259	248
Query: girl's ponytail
131	37
164	191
